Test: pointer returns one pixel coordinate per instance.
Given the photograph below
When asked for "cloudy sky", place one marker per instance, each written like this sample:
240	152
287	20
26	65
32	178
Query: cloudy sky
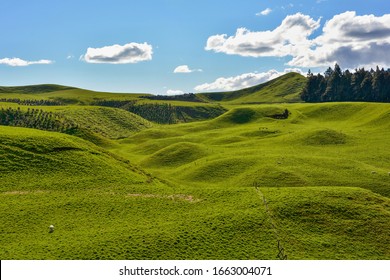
176	46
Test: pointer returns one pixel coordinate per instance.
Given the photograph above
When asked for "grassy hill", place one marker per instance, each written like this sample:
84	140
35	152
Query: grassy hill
64	94
323	171
44	88
108	122
103	207
313	178
286	88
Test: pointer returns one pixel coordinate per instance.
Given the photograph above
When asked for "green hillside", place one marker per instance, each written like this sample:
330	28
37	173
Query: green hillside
313	178
107	122
323	171
103	207
44	88
93	123
286	88
63	94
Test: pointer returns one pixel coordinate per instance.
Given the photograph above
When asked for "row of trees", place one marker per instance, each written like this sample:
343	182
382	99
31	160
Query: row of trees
158	112
35	118
338	85
32	102
114	103
189	97
163	113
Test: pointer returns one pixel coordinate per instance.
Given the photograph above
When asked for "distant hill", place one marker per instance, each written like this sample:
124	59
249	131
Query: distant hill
44	88
286	88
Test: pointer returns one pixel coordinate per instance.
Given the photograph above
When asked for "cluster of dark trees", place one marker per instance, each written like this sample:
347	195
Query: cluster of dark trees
189	97
157	112
32	102
122	104
35	118
338	85
163	113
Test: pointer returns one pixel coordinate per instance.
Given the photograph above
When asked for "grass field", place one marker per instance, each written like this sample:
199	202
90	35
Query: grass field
232	187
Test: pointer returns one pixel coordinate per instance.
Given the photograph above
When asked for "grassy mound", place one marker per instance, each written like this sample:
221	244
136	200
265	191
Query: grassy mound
331	223
243	115
325	137
175	155
52	159
216	171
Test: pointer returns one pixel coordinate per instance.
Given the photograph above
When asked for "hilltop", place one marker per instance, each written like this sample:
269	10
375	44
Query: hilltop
286	88
31	89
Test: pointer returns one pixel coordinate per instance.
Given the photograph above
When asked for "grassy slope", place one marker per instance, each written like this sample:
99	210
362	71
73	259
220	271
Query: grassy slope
105	208
98	123
286	88
317	165
209	182
34	89
62	93
108	122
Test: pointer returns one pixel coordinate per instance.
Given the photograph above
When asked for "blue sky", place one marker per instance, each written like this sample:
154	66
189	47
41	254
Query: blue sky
172	46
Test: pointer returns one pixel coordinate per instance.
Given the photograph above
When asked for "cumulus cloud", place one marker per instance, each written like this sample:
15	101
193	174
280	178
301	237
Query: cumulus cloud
242	81
264	12
351	41
287	39
347	39
117	54
20	62
185	69
174	92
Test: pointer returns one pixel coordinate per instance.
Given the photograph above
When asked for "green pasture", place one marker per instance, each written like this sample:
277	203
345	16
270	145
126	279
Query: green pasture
313	178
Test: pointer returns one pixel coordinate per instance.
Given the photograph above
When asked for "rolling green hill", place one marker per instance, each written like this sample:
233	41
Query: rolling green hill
313	178
107	122
64	94
103	207
323	170
286	88
44	88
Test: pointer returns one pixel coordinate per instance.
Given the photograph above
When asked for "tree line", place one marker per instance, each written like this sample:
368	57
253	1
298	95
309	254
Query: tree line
157	112
337	85
189	97
163	113
32	102
38	119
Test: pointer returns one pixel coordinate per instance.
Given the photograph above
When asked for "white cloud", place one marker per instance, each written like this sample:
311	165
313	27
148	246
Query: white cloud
264	12
71	56
20	62
117	54
174	92
348	39
351	41
242	81
287	39
185	69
